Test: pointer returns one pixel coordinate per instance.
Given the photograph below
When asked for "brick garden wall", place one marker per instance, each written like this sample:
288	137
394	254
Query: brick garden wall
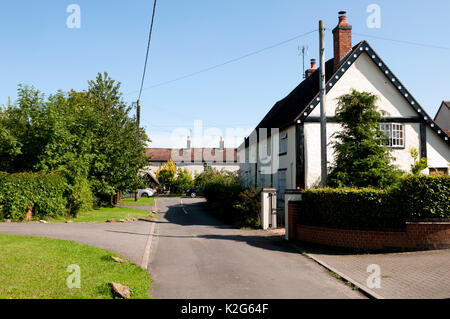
424	235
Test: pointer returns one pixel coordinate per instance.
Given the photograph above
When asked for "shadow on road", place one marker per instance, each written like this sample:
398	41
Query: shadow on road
197	214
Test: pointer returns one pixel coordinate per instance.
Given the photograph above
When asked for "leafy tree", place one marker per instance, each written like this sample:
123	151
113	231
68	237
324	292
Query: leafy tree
166	175
183	181
10	146
361	157
87	135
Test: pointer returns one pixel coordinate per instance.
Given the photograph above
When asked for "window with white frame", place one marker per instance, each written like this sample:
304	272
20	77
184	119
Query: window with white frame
395	133
283	143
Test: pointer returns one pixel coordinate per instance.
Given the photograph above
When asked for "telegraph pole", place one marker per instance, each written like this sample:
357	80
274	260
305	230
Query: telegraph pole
323	114
138	124
138	113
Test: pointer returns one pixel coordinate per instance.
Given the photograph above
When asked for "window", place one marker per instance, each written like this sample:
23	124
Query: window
281	182
283	143
395	133
439	171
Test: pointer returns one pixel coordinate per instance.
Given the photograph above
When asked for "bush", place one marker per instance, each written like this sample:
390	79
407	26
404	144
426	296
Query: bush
424	196
80	198
248	208
416	197
183	181
228	199
44	193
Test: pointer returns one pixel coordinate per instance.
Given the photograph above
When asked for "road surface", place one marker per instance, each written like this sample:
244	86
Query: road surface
194	255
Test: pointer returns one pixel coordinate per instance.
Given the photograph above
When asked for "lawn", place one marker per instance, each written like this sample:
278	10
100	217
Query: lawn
107	213
36	268
142	201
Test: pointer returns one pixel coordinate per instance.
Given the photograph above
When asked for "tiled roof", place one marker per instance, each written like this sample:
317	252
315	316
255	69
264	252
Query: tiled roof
193	155
297	106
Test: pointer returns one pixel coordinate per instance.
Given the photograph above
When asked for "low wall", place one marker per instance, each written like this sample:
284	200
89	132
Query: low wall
418	235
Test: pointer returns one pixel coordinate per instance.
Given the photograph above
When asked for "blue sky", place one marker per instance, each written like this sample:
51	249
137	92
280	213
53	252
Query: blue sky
38	49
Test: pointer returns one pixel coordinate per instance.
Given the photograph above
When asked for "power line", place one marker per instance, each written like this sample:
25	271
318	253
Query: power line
148	49
227	62
404	42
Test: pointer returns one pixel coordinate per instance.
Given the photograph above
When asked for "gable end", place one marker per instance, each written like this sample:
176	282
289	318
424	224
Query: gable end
364	47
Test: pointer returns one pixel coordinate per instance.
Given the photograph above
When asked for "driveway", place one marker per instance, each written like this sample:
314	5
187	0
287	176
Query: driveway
194	255
409	275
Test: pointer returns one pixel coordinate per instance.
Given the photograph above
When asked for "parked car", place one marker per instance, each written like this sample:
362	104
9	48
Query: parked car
194	192
147	192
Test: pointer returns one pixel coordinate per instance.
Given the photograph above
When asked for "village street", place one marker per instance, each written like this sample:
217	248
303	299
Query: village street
193	255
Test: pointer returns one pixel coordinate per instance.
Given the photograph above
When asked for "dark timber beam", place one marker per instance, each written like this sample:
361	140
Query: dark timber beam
423	140
300	180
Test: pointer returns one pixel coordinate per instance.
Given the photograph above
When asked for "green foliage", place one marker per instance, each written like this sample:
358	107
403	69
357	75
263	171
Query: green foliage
416	197
183	181
424	196
166	175
43	193
361	160
350	208
248	207
420	165
228	199
80	197
88	135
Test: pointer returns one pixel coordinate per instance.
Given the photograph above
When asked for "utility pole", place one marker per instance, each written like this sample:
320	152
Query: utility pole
323	114
138	113
138	124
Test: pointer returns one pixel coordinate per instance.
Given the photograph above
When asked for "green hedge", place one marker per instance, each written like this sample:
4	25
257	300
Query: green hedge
416	197
424	196
46	194
229	200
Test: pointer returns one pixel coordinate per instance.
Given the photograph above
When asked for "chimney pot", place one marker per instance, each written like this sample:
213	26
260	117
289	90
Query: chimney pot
312	69
188	143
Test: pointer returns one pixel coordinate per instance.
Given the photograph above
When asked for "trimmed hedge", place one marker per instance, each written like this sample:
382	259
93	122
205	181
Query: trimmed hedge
43	193
46	194
424	196
416	197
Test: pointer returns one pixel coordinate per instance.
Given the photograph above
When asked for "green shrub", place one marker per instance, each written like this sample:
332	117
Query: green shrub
2	216
424	196
248	208
416	197
228	199
182	182
348	208
43	193
80	198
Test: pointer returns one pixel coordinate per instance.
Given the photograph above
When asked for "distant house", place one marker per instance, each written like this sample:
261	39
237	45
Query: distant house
442	117
194	159
296	146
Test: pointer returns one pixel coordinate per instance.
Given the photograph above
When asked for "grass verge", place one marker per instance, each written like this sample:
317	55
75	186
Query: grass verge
36	268
141	202
107	213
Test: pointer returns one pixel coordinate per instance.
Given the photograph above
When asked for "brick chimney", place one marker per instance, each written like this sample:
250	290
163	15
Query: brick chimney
342	39
312	69
188	143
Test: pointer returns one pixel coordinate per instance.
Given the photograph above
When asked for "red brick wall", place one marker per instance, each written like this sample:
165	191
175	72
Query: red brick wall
417	235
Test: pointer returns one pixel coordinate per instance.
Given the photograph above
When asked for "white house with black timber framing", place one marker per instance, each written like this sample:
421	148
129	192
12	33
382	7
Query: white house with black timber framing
297	117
